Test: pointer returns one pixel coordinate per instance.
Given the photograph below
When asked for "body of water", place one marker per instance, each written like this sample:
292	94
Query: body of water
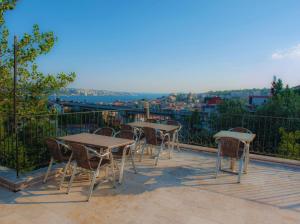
109	99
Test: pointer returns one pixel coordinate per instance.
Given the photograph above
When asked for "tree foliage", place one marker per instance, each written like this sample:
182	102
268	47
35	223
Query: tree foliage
232	106
285	103
24	149
277	87
34	87
290	143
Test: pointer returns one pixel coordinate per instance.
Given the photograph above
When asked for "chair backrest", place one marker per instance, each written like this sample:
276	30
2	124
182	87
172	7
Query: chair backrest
131	146
80	155
125	134
150	135
172	122
230	147
107	131
126	127
55	149
152	120
240	129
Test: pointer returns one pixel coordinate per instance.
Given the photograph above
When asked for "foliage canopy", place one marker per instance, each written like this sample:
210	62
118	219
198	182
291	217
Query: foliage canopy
34	87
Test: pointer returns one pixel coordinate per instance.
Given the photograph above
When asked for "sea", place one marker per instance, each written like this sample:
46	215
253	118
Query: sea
109	99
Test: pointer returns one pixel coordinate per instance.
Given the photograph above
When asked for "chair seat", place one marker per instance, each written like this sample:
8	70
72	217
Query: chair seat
66	158
238	154
119	152
94	161
159	141
63	159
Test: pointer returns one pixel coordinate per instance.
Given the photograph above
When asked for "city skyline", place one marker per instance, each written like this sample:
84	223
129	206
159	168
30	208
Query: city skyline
167	46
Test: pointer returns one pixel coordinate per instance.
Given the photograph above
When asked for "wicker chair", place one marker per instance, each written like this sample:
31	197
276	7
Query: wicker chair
107	131
121	153
126	127
176	123
56	151
242	146
92	162
155	139
230	147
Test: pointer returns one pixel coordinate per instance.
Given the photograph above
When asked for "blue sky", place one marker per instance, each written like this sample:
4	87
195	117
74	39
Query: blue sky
168	45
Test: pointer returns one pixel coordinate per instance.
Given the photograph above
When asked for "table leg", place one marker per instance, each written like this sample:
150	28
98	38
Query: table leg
232	164
247	157
173	143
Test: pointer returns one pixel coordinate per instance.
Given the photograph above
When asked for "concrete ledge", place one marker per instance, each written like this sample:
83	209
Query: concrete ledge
257	157
9	180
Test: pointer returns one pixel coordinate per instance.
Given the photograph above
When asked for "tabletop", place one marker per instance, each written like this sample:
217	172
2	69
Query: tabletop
162	127
246	137
97	140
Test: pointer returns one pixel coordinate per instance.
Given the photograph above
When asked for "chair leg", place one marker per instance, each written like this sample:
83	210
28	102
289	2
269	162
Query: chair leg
241	165
157	156
170	149
106	173
72	178
122	167
132	162
142	151
64	174
218	165
177	142
218	160
48	170
94	174
112	164
135	152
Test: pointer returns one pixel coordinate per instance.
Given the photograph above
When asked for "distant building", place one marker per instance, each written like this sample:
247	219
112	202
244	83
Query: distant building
255	101
118	103
172	98
213	100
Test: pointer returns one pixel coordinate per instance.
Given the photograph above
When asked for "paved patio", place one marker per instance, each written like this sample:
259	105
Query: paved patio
181	190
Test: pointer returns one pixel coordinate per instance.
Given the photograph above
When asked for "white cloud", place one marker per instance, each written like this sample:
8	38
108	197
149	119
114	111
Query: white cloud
289	53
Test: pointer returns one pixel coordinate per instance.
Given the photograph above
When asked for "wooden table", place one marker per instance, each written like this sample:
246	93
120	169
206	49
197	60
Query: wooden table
162	127
245	137
100	141
97	140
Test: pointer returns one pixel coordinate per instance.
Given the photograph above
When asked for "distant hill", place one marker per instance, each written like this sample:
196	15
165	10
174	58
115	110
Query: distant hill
92	92
241	93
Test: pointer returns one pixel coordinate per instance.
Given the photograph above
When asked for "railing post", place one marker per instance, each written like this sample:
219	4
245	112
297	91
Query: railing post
147	110
15	104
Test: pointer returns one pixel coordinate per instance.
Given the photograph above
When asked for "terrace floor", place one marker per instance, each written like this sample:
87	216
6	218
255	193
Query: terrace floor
181	190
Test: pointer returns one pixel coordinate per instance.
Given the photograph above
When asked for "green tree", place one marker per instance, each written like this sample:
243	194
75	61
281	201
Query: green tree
277	87
289	145
195	119
232	106
34	87
33	91
285	103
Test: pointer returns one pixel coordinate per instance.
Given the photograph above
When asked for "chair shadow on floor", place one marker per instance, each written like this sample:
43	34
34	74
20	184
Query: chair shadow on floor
260	185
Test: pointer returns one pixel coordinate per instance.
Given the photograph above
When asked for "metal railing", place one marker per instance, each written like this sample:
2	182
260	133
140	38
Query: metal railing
275	136
26	151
